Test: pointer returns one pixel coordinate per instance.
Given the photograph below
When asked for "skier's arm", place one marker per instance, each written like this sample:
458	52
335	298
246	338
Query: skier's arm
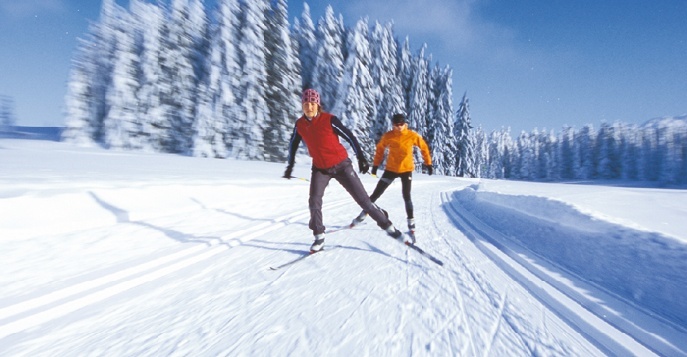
379	152
293	148
424	149
344	132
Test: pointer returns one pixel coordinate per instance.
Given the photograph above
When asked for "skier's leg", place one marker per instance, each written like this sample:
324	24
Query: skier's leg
346	176
318	182
406	183
387	178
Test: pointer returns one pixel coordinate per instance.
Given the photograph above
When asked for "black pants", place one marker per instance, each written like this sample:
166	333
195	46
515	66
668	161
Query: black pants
346	176
387	179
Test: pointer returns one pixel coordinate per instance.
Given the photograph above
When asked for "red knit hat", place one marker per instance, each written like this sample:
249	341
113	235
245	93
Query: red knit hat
311	96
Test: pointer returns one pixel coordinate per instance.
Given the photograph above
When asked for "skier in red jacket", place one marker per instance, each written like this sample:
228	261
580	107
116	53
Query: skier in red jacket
320	131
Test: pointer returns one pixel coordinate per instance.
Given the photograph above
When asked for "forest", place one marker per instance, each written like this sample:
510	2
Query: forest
225	82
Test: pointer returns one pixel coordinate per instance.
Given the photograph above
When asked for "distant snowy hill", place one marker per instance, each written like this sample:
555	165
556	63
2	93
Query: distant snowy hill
32	132
678	121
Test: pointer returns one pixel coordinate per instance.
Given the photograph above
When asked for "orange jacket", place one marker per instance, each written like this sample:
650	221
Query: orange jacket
400	145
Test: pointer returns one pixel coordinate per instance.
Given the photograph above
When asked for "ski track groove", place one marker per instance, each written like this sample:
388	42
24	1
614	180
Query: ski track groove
620	341
456	288
56	304
497	326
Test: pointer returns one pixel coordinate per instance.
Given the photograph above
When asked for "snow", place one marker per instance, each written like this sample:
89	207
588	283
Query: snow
133	254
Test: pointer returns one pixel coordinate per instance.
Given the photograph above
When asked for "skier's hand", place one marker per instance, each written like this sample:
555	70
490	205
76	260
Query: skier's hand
374	170
287	173
363	165
430	170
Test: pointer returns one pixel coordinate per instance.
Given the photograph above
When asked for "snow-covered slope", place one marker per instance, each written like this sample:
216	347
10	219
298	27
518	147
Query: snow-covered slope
116	253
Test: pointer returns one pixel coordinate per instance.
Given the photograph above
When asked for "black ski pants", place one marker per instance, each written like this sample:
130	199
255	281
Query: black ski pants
346	176
387	179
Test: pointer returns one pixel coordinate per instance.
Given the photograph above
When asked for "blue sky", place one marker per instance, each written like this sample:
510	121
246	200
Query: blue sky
524	64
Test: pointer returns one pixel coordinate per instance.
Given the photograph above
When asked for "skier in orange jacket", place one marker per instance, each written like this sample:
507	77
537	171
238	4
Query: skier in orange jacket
399	142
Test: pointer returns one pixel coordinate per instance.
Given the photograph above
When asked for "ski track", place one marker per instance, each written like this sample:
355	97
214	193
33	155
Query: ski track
614	337
59	303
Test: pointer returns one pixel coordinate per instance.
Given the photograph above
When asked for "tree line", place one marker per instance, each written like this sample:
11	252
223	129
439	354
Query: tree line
653	152
225	83
175	77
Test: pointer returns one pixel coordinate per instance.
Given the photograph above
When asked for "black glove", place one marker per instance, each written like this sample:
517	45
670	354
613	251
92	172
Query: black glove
287	173
374	170
430	170
363	165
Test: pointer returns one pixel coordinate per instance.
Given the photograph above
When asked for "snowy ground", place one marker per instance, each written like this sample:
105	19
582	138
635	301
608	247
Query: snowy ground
129	254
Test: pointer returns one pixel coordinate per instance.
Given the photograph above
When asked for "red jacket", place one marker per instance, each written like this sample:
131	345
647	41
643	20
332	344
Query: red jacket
321	136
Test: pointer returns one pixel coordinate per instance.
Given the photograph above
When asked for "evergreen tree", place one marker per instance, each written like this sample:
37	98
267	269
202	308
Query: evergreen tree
122	129
405	74
444	148
481	153
585	144
217	104
329	67
418	96
180	74
80	98
304	32
383	69
284	92
150	24
465	145
355	106
91	75
566	152
252	118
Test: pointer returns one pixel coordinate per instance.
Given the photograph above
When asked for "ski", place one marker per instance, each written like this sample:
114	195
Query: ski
291	262
427	255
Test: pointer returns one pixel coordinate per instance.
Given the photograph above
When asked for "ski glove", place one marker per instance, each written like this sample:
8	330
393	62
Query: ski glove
363	165
374	170
430	170
287	173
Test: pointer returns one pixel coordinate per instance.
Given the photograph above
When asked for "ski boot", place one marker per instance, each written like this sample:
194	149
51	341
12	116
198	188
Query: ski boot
357	220
411	230
318	244
396	234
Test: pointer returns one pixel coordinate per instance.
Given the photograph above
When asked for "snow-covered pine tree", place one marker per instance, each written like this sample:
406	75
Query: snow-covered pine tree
355	104
251	121
418	95
80	98
186	31
630	153
93	79
216	107
465	154
150	24
548	157
405	74
304	36
444	149
121	125
329	67
283	91
389	98
565	147
481	153
585	143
